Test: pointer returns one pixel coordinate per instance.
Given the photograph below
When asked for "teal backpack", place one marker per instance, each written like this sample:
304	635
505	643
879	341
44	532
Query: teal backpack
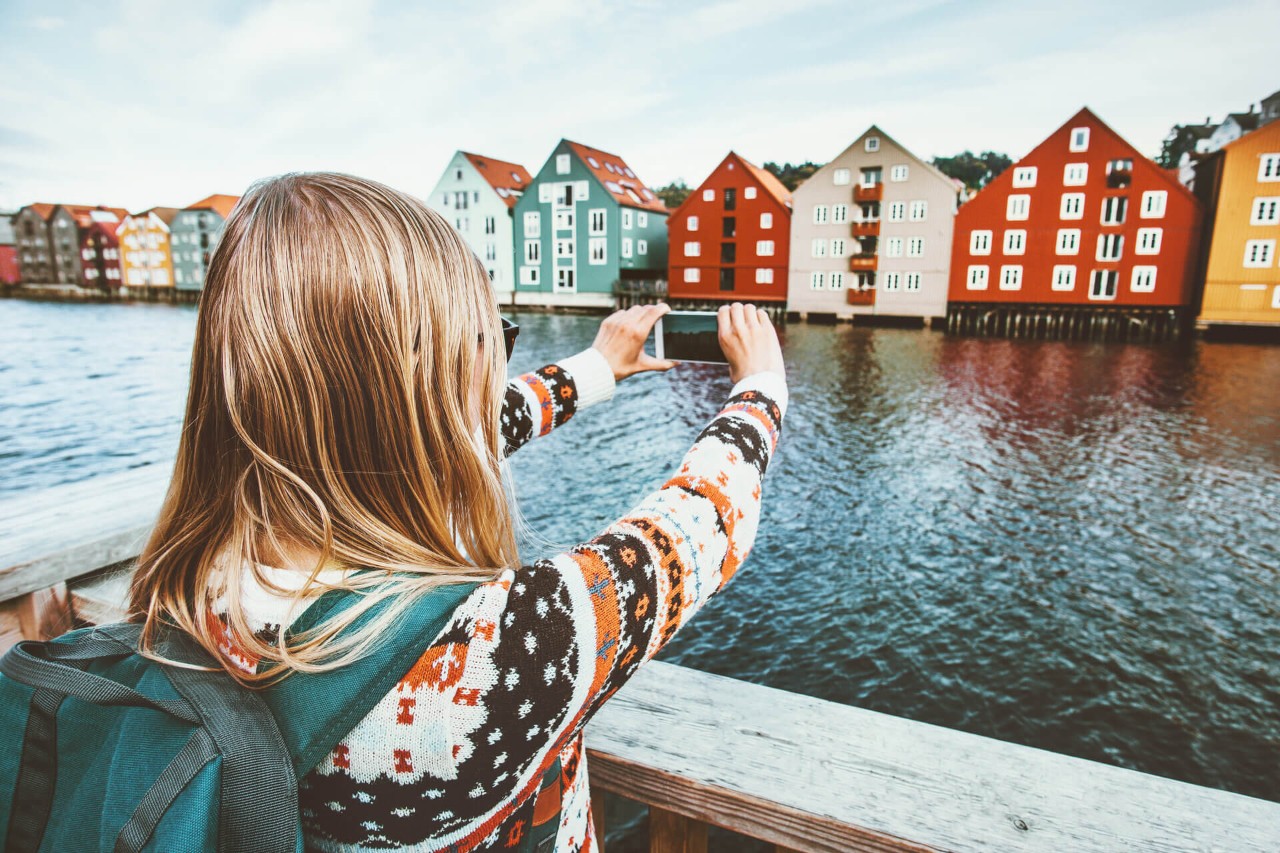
104	750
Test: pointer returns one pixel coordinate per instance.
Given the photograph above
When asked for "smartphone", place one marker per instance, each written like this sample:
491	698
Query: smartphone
689	336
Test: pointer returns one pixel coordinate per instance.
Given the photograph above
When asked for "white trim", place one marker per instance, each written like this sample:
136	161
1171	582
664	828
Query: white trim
919	211
1079	139
978	277
1110	247
891	282
766	220
1259	254
1265	210
1269	167
749	192
842	177
980	242
692	249
1143	279
1068	241
1154	203
1015	241
1098	293
1075	174
915	247
1071	207
1148	242
764	275
692	275
1018	207
1011	277
1024	176
1064	277
691	224
899	173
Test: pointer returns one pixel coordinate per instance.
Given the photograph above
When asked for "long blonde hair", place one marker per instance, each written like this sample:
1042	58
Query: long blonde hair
339	330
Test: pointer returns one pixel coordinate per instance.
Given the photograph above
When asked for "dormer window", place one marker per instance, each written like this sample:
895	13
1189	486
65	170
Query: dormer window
562	164
872	143
1079	139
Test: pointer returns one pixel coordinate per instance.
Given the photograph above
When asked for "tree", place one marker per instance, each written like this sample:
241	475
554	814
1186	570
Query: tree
975	170
1180	140
673	194
792	175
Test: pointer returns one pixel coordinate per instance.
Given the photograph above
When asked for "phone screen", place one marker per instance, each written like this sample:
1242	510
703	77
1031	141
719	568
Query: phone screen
690	336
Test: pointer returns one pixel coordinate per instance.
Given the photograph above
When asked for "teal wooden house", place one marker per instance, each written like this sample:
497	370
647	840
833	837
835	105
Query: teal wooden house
585	227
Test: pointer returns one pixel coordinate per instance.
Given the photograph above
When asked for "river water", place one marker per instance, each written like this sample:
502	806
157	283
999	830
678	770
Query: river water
1070	545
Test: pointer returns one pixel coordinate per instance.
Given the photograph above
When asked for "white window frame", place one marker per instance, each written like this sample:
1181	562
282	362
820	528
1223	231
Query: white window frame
1070	201
1018	207
1143	279
766	221
749	193
1064	277
836	281
893	247
692	249
602	215
899	173
839	214
979	277
897	211
1097	294
533	251
980	242
837	247
626	247
817	280
918	211
1079	139
598	251
818	247
1068	241
764	248
691	224
1265	210
642	219
1148	241
709	195
566	248
1015	241
566	272
891	282
533	218
912	282
764	275
1259	254
1117	205
1154	203
872	144
562	164
1269	167
529	275
627	219
819	214
1075	174
642	246
915	247
1110	247
1011	277
1024	176
842	177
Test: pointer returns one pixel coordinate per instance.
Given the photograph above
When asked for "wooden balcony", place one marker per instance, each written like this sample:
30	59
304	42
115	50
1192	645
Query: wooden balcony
699	749
875	192
854	296
863	262
866	228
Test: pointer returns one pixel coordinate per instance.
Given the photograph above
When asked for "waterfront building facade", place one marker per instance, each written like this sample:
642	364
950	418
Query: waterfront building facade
34	243
9	273
99	249
1242	273
586	226
146	258
194	233
477	194
871	234
1083	220
731	238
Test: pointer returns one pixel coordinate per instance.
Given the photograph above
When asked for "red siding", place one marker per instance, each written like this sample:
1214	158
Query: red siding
732	173
9	265
1175	263
98	238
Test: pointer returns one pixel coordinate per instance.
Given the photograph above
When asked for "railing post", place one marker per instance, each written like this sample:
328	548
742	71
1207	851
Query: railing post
673	833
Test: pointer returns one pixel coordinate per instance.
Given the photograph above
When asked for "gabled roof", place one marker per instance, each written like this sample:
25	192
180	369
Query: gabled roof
507	179
44	211
1272	128
874	129
1247	121
164	214
617	178
86	215
219	204
767	179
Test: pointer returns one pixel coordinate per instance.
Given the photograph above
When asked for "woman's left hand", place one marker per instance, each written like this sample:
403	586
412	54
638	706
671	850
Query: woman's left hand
621	340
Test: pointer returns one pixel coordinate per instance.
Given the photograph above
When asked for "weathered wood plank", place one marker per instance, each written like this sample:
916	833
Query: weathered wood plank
799	772
674	833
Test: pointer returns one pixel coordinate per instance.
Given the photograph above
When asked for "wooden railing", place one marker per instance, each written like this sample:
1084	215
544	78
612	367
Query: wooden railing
699	749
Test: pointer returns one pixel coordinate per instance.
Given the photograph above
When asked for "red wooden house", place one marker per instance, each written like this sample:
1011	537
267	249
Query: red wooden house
1083	221
99	248
730	239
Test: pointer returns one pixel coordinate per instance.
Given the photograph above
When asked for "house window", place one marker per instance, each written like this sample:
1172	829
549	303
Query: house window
692	275
977	279
766	220
1064	277
642	220
764	276
872	143
444	200
980	243
1119	173
1068	241
562	164
1110	246
475	196
730	198
749	193
919	210
626	247
1075	174
1072	206
626	220
1144	280
893	247
532	225
729	226
692	223
596	221
1153	204
532	251
891	282
764	248
898	174
897	211
708	195
1024	176
457	174
490	225
642	247
564	220
1018	207
490	251
1015	242
815	281
1102	284
841	177
564	249
1266	211
528	275
837	281
1113	209
1269	167
564	279
915	247
692	249
819	248
837	247
1258	253
839	213
1148	241
913	282
1079	139
819	214
1011	277
871	176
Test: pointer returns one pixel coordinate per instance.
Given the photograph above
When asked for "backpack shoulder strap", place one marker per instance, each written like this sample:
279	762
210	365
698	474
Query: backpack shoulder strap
316	710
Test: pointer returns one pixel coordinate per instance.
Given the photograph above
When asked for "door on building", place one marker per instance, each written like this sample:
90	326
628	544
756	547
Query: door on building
564	281
726	278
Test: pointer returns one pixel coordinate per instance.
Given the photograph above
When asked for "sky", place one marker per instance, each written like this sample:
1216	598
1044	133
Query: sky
141	103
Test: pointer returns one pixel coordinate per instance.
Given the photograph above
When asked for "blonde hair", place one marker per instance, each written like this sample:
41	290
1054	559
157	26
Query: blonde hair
339	330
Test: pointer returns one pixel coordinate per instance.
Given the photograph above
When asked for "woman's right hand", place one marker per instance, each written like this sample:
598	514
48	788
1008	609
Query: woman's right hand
749	341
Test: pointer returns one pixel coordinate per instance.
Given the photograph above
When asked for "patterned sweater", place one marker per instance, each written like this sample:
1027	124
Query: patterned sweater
452	758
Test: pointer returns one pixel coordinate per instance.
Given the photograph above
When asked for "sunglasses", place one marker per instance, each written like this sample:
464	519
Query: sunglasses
509	333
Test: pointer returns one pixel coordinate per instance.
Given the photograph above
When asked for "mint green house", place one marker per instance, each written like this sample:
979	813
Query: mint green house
586	226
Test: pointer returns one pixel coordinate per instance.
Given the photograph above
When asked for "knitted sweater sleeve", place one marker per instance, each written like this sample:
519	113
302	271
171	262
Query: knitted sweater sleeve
543	399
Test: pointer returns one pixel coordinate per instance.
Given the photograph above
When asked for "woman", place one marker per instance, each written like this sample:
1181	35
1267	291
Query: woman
347	417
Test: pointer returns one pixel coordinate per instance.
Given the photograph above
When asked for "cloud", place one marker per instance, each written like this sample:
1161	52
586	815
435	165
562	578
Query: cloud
48	23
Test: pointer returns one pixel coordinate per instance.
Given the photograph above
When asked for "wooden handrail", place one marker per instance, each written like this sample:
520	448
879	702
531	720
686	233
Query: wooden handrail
798	772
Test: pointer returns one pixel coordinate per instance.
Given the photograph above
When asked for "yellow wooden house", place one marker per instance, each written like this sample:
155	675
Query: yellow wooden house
146	259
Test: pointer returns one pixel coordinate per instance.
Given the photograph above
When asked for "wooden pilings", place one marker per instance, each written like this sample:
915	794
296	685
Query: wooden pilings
1067	322
626	298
